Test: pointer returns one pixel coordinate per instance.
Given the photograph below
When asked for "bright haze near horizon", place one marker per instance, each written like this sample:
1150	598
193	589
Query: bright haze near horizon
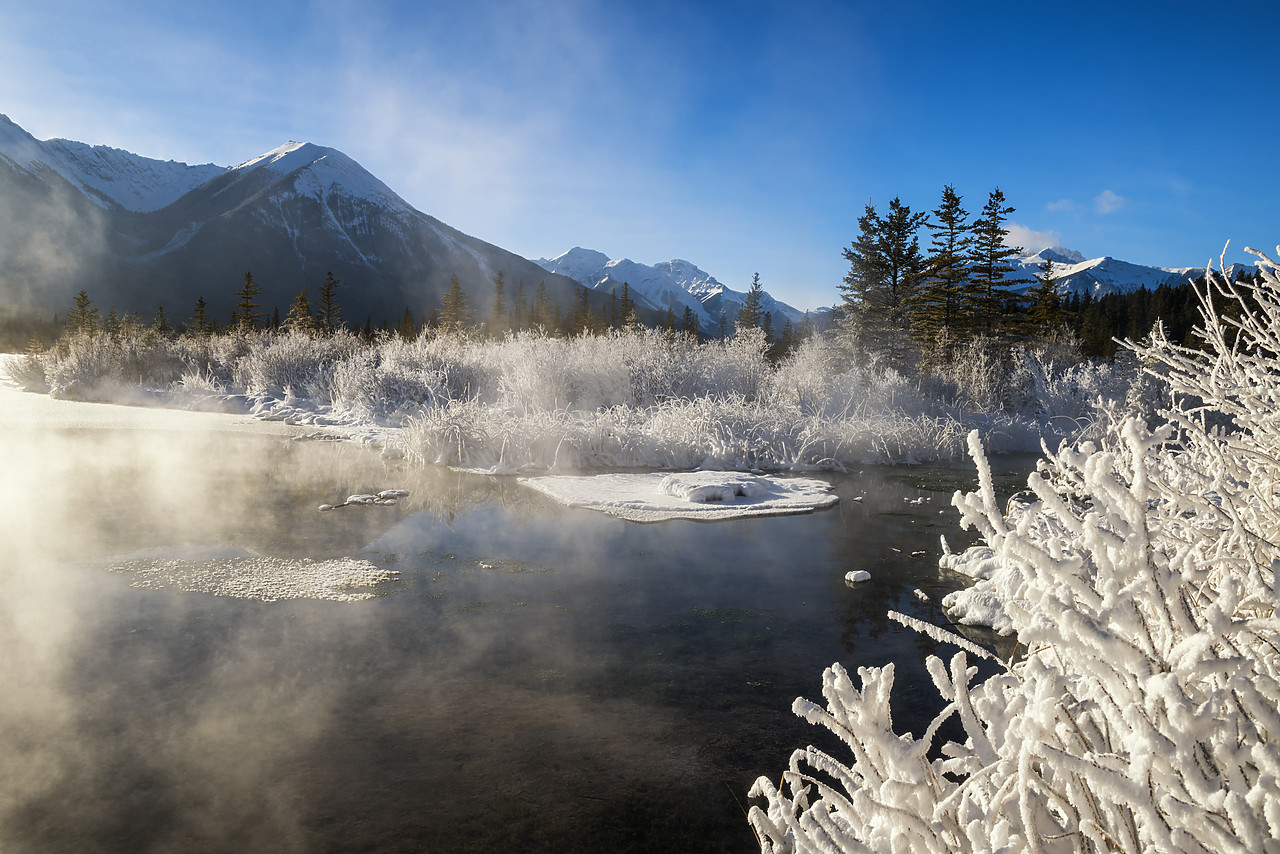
743	137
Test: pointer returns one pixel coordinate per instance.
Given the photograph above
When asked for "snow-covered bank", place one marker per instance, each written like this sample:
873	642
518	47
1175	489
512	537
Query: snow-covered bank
1140	578
703	496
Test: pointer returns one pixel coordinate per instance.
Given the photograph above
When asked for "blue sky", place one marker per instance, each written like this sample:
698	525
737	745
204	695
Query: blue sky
744	137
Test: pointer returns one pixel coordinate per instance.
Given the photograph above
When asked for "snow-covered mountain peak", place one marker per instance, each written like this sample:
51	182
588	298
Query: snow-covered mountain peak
279	158
107	175
667	286
693	279
578	264
317	170
1056	254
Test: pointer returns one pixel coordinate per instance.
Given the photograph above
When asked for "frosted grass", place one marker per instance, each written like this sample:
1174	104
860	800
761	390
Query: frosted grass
534	403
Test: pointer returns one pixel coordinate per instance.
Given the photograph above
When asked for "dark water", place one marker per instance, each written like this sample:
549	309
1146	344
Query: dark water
535	679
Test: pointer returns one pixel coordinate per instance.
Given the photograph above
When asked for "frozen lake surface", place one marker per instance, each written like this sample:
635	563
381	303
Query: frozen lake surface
513	675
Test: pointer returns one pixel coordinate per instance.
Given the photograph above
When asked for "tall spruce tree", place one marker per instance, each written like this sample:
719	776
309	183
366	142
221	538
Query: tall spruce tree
498	314
990	257
689	321
329	316
941	309
300	318
160	325
1045	311
749	314
885	269
245	314
455	314
544	313
82	319
199	321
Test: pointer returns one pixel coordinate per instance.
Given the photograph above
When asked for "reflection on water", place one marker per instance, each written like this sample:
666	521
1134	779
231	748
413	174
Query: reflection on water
534	678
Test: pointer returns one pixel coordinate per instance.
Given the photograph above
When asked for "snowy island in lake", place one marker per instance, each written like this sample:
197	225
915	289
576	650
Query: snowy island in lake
699	495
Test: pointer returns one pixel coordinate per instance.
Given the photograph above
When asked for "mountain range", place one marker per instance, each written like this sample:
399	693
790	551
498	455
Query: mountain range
136	233
668	286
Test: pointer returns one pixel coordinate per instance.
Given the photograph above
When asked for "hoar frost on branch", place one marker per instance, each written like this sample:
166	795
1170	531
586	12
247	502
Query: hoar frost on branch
1144	711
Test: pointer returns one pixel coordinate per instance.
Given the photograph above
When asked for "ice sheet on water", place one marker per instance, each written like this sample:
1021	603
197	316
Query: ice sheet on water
267	579
703	495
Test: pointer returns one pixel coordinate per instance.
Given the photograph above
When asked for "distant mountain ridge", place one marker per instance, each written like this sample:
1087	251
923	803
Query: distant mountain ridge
1101	276
678	283
674	285
137	233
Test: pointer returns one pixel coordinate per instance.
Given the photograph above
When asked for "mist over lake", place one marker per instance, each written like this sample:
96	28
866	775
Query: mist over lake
524	676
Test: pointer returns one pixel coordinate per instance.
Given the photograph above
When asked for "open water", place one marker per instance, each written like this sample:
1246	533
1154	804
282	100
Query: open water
531	677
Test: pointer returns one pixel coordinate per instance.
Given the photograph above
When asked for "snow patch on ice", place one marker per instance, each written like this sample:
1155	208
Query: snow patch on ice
267	579
704	495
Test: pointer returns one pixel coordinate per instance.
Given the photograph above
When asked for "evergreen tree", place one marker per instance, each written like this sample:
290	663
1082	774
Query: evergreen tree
82	319
407	329
885	269
751	311
498	315
111	324
941	306
329	317
300	318
275	317
689	321
245	314
669	321
543	311
627	306
785	344
199	321
990	258
160	325
455	314
1045	310
520	308
866	264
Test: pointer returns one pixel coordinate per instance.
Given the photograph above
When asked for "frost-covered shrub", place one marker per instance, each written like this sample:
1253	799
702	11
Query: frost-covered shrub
1144	711
27	371
297	362
100	366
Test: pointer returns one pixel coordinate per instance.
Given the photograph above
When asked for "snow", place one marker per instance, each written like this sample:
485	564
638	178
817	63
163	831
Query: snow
858	576
674	284
106	174
266	579
702	496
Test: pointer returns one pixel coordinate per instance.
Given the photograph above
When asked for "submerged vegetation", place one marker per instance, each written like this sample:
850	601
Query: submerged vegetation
1140	710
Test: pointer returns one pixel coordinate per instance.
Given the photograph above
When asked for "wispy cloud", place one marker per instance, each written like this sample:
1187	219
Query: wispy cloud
1063	206
1029	238
1108	202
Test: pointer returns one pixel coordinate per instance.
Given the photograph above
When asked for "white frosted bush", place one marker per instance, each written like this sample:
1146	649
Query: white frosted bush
27	371
99	366
1143	712
296	362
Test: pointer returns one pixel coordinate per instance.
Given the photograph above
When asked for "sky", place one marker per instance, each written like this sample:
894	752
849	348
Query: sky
745	137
